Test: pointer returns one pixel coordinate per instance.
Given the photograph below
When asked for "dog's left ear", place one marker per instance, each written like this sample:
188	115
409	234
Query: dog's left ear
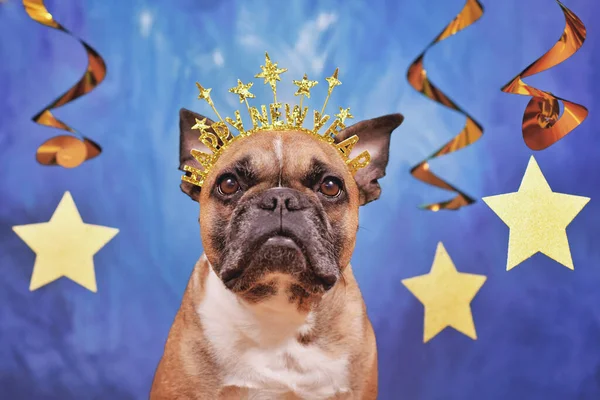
188	140
374	136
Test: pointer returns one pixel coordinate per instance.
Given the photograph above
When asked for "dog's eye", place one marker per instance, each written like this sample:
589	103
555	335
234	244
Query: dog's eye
331	187
229	185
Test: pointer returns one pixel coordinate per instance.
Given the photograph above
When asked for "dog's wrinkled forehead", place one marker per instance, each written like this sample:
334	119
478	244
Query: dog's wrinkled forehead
280	158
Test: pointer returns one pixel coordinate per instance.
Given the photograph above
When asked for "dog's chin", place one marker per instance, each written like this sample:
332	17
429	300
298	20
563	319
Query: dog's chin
275	255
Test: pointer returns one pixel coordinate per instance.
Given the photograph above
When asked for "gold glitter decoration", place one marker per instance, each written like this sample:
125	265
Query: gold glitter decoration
304	86
68	151
217	137
204	94
201	125
417	77
446	295
64	246
271	73
332	82
243	91
344	113
537	218
542	124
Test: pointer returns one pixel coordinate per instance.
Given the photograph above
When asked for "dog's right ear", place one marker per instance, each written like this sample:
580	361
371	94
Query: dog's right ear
188	140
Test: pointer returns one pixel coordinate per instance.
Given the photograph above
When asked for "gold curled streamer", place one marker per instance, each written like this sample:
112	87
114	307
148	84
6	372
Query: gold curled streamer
66	150
417	78
542	123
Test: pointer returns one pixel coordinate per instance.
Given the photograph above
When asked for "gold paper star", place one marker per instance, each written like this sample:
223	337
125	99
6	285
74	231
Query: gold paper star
270	72
537	218
304	87
204	93
333	81
243	91
344	114
64	246
446	295
201	125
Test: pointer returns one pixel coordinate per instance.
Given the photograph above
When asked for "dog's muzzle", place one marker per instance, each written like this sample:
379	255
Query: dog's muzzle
281	230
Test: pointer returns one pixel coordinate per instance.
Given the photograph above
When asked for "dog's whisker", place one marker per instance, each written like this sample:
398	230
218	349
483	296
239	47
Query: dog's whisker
360	227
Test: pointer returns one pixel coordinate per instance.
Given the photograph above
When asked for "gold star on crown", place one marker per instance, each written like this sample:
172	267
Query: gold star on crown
217	137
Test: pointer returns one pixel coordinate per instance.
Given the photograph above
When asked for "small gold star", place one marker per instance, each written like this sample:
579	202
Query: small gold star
333	81
537	218
201	125
344	114
204	93
64	246
270	72
446	295
304	86
243	91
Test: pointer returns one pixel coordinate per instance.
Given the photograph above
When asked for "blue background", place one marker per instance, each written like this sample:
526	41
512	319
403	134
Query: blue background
538	325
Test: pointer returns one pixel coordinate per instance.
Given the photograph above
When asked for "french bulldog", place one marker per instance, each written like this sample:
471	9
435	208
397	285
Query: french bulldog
272	309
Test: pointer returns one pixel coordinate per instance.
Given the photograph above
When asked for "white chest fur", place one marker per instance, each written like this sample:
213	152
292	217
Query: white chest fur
257	349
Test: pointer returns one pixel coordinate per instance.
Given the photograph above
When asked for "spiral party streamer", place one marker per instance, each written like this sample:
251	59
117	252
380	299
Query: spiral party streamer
66	150
542	123
417	77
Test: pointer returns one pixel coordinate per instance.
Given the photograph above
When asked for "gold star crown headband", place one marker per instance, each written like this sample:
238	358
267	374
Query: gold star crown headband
269	119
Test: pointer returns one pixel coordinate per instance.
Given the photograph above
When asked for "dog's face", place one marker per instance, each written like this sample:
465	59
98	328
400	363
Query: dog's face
279	210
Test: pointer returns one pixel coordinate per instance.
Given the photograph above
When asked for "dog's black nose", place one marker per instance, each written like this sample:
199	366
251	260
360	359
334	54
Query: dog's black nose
281	198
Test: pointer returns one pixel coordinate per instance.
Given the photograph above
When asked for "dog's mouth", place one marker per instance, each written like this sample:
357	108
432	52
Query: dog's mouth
282	241
271	243
275	252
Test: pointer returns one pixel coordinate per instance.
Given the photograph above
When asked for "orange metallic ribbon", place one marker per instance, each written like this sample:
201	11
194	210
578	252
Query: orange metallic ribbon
417	77
66	150
542	123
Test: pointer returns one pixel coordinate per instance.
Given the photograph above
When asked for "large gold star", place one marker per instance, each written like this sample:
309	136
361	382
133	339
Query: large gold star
537	218
64	246
270	72
446	295
242	90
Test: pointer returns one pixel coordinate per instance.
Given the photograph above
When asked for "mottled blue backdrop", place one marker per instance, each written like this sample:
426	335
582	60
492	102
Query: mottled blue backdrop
538	325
